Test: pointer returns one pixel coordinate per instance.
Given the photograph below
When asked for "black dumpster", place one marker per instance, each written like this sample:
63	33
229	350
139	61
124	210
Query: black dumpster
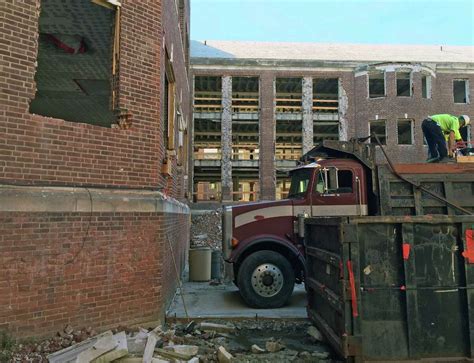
393	288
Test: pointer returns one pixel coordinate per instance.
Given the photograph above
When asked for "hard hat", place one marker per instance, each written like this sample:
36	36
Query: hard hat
466	119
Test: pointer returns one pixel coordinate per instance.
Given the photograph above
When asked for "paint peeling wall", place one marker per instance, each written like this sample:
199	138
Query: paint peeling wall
307	114
343	106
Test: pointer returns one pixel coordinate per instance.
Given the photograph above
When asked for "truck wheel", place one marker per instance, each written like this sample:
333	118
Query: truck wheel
266	280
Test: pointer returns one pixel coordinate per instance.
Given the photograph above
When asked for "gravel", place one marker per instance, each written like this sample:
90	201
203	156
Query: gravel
206	230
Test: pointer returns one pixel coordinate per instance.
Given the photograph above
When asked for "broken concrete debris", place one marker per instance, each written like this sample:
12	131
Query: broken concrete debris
274	346
315	333
223	355
150	346
257	350
219	328
206	342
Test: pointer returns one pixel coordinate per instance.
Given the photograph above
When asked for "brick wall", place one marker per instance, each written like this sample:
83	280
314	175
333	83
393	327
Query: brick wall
96	270
392	108
42	150
360	110
122	272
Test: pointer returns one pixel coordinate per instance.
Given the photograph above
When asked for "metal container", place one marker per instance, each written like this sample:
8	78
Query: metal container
200	264
452	181
216	262
393	288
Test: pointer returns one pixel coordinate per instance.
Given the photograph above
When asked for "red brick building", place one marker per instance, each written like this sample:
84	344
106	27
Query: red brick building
94	120
258	106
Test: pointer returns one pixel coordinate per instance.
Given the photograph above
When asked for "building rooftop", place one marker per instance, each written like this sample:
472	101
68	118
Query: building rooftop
228	50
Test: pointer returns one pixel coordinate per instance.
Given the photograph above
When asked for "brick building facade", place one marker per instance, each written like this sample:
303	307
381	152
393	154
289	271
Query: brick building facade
94	119
259	106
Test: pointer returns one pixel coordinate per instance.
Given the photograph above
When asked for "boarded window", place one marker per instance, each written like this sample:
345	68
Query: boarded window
405	132
426	86
376	84
378	128
460	91
404	84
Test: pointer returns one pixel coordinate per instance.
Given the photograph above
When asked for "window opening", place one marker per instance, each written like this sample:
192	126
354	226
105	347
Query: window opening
170	106
376	84
245	118
378	127
460	91
404	84
325	109
289	118
76	61
426	86
405	132
207	117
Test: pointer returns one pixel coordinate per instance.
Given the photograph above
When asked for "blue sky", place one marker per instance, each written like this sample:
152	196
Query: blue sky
338	21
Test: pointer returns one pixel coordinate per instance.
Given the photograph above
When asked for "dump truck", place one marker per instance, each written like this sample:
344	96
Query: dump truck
264	243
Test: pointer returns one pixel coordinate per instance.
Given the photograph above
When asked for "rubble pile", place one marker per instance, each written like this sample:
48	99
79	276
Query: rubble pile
243	341
206	230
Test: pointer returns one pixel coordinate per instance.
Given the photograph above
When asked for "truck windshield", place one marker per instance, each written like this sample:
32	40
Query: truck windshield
299	182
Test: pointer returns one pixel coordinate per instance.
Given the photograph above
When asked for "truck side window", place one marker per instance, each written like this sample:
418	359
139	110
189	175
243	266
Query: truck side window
345	181
319	187
338	181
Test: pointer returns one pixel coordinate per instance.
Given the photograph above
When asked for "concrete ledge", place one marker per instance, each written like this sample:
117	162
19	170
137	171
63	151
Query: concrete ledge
66	199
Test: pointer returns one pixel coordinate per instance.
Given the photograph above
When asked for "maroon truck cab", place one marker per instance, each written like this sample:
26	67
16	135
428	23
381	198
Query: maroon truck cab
264	241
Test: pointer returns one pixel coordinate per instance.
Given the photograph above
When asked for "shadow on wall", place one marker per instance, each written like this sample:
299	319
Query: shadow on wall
201	50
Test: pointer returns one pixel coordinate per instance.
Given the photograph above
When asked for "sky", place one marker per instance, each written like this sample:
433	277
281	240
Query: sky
440	22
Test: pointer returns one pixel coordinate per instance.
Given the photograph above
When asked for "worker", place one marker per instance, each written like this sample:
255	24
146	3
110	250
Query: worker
435	128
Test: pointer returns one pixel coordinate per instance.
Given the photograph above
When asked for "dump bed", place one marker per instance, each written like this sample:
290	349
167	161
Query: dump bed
452	181
393	288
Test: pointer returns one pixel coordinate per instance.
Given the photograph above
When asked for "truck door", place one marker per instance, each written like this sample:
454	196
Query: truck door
336	192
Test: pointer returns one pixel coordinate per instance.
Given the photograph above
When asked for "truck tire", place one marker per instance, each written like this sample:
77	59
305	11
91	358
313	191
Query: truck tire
266	280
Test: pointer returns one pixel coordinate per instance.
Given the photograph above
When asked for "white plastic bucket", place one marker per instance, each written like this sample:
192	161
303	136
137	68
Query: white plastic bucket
200	264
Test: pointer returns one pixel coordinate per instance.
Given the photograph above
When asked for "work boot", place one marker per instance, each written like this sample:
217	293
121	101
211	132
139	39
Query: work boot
446	159
433	160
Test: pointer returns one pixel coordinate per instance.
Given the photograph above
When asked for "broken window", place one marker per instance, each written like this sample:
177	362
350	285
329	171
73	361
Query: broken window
245	118
376	84
325	109
404	83
378	128
207	117
288	94
326	95
288	137
426	86
461	91
405	132
76	62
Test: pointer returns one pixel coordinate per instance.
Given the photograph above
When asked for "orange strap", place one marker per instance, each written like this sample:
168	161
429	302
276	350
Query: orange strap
355	311
469	252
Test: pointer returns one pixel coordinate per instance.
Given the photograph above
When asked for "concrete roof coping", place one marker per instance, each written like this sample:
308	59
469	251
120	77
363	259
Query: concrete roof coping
238	50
